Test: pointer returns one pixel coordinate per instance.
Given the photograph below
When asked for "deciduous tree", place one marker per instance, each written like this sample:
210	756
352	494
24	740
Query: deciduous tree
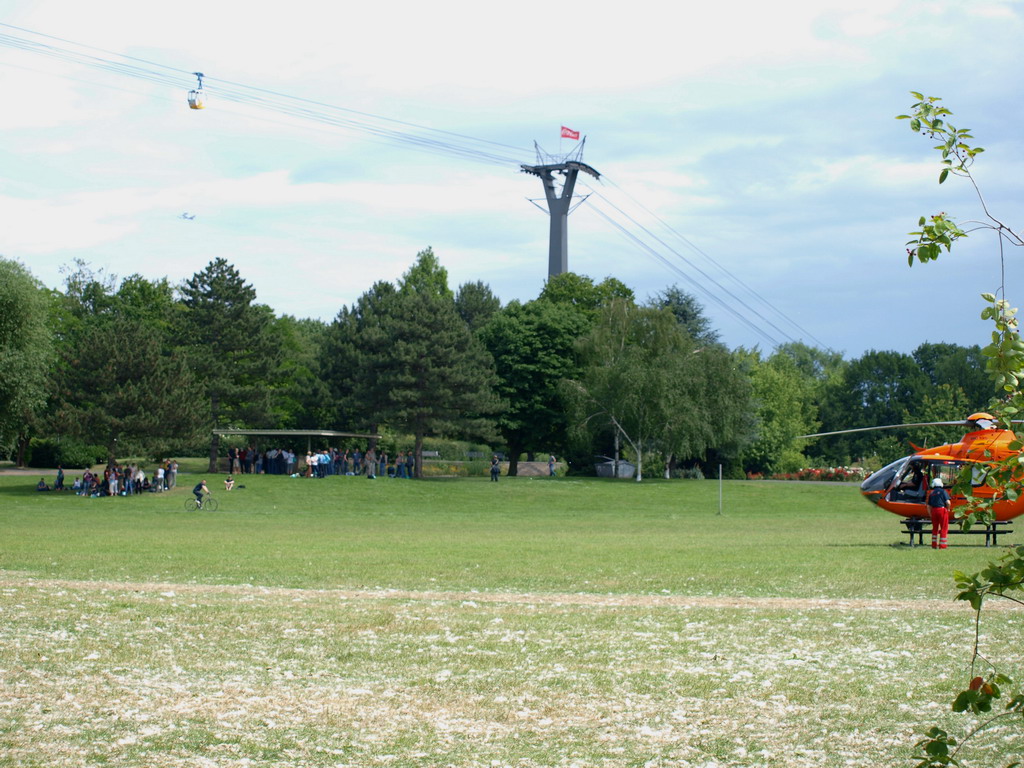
785	407
962	368
688	312
25	349
636	377
880	387
301	395
580	291
533	346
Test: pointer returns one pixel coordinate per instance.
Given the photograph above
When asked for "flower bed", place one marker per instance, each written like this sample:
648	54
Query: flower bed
829	474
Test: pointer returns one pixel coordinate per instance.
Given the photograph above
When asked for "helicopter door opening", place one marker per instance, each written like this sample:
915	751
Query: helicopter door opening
915	479
912	484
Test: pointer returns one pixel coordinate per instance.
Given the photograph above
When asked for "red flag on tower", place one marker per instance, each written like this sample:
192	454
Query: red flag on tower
569	133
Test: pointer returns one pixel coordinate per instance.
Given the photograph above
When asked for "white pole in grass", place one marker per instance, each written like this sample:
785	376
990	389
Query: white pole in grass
719	489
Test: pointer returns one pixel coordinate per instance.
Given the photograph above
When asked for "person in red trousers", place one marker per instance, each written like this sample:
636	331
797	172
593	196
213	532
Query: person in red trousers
938	506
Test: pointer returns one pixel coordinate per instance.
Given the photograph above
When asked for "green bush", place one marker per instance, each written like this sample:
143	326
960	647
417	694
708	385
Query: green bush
70	454
453	450
687	473
477	468
447	450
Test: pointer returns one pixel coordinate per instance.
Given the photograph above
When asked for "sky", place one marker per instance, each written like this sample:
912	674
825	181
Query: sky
748	152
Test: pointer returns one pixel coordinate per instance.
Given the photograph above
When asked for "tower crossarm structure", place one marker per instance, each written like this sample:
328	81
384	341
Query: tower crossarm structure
558	206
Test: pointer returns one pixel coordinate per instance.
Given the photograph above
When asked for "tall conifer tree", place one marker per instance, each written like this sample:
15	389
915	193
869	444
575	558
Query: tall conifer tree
229	347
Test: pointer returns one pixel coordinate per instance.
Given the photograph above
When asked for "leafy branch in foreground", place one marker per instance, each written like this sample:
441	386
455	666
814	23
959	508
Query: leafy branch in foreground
979	698
939	232
1005	365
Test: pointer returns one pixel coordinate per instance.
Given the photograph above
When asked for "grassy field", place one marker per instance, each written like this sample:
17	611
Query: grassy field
532	622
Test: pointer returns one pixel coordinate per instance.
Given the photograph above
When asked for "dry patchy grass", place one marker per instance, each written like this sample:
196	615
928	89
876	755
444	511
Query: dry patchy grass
187	675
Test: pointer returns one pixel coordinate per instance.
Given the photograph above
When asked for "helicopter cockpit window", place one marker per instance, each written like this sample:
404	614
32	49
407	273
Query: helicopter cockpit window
979	473
880	480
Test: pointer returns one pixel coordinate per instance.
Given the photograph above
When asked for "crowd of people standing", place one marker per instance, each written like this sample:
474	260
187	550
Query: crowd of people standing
320	463
332	461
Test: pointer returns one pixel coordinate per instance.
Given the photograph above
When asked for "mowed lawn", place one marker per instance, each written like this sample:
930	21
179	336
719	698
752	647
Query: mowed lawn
530	622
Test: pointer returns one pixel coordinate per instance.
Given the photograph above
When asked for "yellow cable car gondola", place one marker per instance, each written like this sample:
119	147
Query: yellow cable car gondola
196	98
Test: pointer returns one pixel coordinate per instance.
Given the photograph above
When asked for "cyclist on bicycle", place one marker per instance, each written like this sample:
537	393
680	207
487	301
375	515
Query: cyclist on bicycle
199	490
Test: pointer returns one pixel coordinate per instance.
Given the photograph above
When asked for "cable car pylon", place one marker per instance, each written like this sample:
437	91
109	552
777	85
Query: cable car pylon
559	206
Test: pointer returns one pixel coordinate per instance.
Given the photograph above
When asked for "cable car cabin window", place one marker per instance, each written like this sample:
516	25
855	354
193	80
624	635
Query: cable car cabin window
196	99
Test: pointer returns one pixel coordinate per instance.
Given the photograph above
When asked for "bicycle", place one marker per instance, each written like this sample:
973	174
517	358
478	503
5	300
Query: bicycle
209	504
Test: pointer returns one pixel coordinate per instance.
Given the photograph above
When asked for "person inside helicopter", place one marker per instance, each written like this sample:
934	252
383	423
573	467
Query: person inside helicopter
913	486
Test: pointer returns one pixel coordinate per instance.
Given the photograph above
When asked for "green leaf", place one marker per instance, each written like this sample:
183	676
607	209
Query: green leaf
965	700
943	175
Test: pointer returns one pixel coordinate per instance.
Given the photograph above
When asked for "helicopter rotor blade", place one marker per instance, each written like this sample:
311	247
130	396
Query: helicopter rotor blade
960	423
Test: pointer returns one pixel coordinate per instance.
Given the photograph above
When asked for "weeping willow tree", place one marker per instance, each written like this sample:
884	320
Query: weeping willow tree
656	388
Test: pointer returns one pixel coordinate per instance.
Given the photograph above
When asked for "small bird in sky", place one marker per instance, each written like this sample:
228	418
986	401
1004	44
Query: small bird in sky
187	216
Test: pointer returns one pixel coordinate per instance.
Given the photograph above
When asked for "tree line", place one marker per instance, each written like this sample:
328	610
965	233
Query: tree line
142	367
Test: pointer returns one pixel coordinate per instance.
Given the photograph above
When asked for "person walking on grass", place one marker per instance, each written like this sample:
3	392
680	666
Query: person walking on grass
495	468
938	507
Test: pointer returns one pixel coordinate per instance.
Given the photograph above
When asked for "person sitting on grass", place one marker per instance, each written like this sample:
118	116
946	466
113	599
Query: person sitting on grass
199	490
229	483
42	486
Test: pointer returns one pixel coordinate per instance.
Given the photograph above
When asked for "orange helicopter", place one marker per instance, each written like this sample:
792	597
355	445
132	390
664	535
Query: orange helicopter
902	487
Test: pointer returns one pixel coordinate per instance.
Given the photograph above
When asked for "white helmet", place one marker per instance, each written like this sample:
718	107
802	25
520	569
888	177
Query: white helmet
937	482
